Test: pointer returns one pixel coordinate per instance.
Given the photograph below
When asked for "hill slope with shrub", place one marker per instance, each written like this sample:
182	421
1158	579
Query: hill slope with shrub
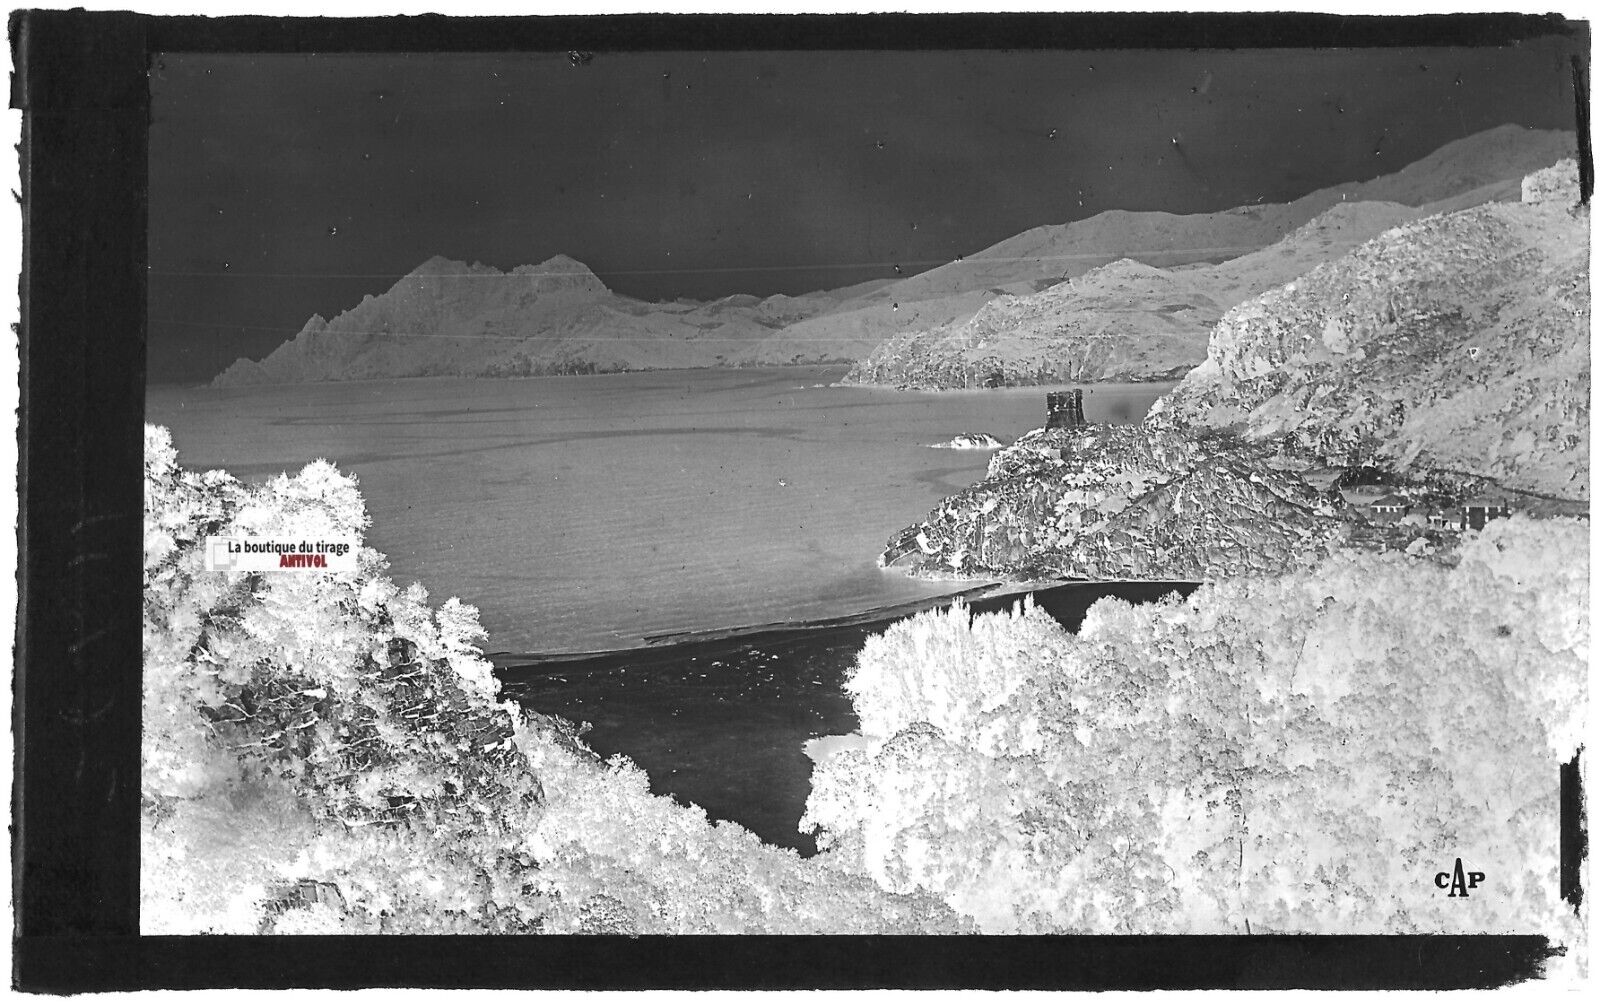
1290	754
325	752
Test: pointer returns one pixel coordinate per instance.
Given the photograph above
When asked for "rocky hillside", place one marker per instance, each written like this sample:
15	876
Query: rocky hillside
1450	354
1123	502
450	318
1125	321
1148	315
1454	345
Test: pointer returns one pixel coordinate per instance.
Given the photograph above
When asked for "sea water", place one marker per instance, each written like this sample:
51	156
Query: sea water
596	513
723	723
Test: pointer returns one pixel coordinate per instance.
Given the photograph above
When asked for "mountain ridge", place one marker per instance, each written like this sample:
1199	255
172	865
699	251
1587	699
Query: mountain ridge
448	317
1103	334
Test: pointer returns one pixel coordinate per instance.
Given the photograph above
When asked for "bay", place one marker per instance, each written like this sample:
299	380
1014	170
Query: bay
599	513
682	560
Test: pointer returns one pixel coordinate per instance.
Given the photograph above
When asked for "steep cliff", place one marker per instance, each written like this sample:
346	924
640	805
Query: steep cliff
1454	345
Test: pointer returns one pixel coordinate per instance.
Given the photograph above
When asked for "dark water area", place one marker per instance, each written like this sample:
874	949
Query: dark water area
721	722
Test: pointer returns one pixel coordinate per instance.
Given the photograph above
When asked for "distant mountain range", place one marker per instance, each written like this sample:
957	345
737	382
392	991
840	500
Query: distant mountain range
448	318
1142	318
1121	295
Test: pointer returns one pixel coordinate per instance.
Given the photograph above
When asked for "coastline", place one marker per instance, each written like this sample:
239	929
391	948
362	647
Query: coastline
985	596
723	720
1114	381
508	377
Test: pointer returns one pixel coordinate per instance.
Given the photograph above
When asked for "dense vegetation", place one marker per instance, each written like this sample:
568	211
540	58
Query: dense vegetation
1292	754
325	752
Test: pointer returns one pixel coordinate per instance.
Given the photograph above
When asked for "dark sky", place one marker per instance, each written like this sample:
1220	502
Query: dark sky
287	185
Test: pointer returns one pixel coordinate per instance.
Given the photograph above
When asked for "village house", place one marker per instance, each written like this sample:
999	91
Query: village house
1475	512
1444	519
1389	508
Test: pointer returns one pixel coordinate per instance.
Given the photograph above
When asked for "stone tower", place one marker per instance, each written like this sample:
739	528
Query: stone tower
1064	410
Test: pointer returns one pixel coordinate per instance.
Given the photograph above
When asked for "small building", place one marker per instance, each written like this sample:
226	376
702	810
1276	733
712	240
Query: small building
1475	512
1444	519
1389	508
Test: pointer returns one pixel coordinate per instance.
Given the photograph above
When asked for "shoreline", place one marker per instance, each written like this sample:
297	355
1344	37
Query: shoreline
1112	381
665	644
507	377
1118	381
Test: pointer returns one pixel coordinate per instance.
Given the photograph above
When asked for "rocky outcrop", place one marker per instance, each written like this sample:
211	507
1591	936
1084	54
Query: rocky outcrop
1124	502
969	441
1456	345
1557	183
